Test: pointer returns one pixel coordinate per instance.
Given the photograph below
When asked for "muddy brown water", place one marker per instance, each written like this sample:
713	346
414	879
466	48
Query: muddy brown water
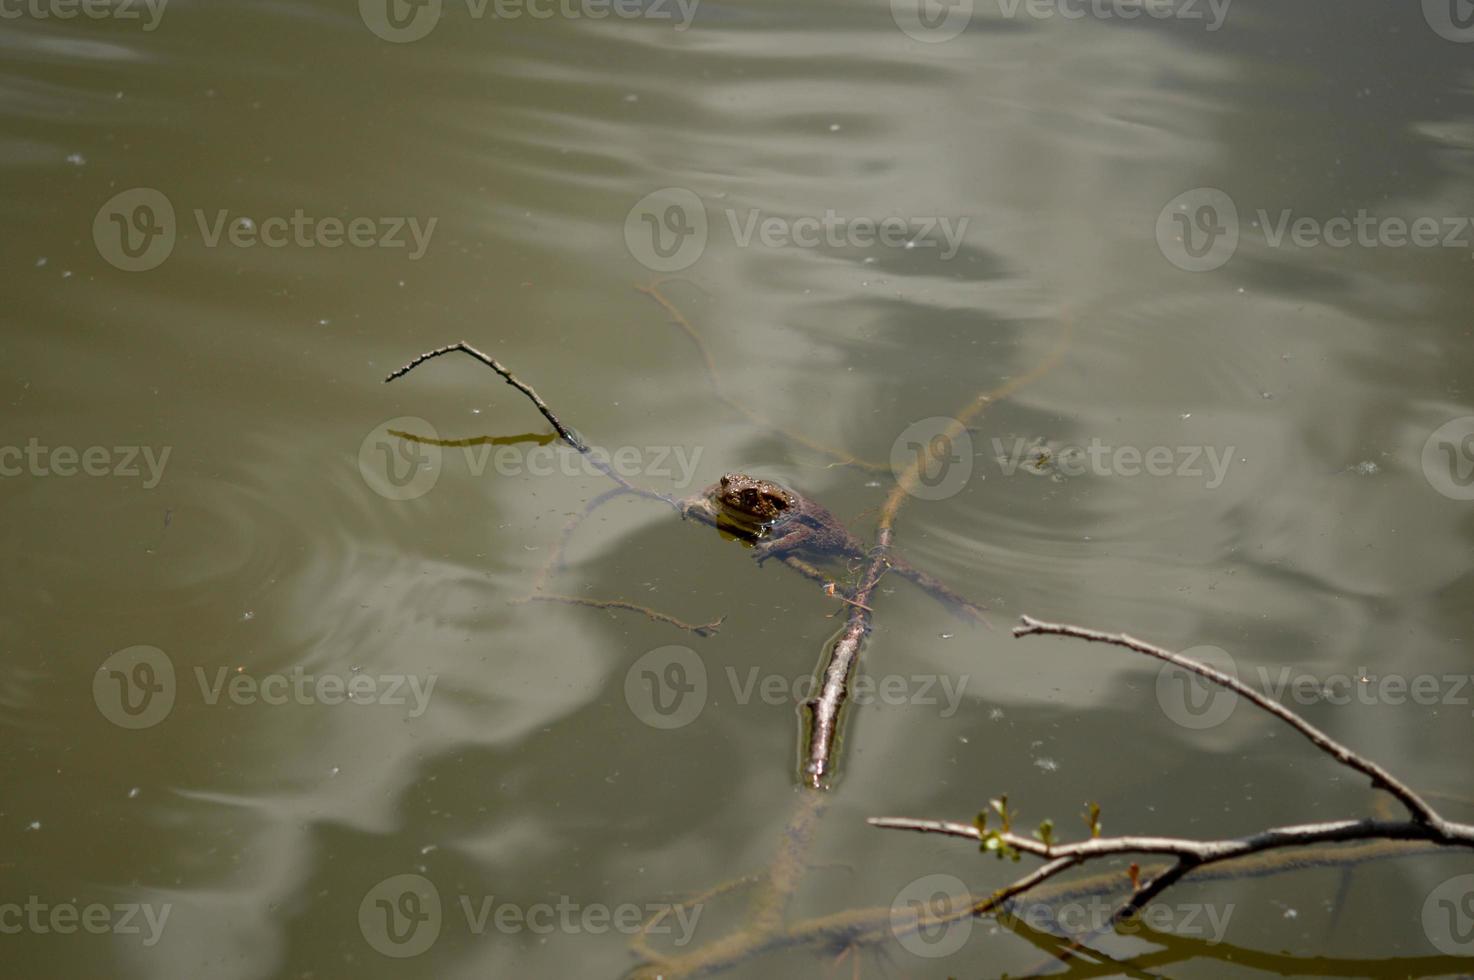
261	656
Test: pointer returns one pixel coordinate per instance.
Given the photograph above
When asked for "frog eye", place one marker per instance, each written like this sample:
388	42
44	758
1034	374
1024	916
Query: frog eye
778	502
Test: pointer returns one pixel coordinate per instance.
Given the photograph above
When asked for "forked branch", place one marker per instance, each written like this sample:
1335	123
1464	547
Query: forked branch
1426	824
567	434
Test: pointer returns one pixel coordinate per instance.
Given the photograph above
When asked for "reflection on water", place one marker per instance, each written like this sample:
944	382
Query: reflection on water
864	225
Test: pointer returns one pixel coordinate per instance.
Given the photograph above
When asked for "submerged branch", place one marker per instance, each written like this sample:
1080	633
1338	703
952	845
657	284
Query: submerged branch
700	629
823	711
713	377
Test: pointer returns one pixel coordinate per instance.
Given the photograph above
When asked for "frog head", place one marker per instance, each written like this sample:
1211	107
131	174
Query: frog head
750	500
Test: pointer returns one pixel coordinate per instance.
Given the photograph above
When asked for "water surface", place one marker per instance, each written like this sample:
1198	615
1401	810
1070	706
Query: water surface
241	522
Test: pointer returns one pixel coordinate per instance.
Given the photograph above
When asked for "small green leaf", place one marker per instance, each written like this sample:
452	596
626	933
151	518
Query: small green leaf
1092	818
1045	833
998	847
1001	806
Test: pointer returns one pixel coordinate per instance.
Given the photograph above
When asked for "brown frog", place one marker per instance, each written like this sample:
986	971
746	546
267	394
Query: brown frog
780	523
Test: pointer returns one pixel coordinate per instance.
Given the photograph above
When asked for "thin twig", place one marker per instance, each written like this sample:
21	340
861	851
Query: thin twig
1204	851
511	379
568	435
1381	778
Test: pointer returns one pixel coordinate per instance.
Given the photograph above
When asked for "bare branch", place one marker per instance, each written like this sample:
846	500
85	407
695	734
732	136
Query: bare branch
1298	835
1191	854
1426	824
1381	778
567	434
511	379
